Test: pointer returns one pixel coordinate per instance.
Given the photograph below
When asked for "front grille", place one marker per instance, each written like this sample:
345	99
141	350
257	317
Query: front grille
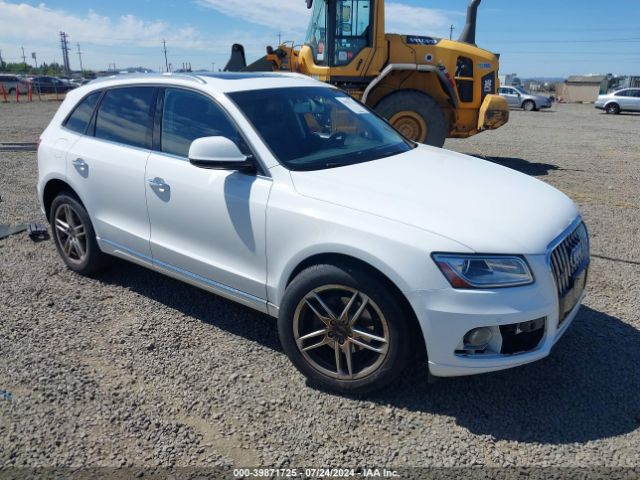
569	261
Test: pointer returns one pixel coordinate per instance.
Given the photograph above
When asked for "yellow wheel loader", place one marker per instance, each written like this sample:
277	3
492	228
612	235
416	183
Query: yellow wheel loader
428	88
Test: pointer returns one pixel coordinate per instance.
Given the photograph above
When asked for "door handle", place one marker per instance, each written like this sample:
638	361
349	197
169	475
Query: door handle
158	183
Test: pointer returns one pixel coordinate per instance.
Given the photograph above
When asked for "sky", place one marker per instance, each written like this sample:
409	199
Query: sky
543	38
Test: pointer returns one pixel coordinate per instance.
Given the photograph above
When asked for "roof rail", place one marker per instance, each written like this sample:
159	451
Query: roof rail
149	76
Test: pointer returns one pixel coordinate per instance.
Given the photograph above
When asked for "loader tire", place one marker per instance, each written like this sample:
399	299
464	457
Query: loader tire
415	115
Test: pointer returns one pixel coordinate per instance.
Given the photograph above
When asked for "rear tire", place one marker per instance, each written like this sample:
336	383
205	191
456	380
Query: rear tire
529	106
361	350
612	109
74	235
416	115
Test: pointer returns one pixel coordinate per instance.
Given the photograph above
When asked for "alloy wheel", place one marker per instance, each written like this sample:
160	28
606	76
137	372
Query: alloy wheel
71	234
341	332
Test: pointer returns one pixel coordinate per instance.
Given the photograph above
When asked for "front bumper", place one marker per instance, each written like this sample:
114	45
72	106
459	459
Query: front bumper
447	315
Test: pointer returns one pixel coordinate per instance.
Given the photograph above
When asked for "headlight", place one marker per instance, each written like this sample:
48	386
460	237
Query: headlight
483	271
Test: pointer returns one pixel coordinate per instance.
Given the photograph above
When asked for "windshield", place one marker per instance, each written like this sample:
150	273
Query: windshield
313	128
317	32
522	90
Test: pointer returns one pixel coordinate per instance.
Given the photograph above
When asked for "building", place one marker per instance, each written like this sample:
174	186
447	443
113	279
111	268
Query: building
510	79
582	88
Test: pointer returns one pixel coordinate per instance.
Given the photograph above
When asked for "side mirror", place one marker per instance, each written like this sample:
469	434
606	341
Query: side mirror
219	153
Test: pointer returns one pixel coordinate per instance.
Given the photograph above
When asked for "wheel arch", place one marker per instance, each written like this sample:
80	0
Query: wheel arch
612	102
51	189
535	105
345	261
425	82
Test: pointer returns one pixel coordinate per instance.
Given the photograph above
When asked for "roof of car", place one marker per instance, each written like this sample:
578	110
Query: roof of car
217	82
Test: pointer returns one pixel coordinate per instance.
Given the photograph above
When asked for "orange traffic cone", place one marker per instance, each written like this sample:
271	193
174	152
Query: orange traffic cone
4	93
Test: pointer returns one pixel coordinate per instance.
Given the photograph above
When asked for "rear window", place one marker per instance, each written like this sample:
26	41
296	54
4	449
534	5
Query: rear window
125	116
81	116
8	78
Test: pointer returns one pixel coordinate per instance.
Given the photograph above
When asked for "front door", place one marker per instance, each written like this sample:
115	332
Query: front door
634	100
512	97
206	225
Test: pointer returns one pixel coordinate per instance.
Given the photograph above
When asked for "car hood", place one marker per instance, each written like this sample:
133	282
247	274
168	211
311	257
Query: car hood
484	206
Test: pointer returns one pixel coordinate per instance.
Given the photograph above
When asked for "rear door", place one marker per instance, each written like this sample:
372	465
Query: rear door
107	167
206	225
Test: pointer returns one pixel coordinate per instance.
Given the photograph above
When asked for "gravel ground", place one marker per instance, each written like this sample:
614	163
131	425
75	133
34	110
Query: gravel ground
133	368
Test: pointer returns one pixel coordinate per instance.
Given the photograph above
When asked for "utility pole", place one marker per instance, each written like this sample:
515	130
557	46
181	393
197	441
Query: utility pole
279	38
24	58
65	53
80	57
164	46
35	59
451	28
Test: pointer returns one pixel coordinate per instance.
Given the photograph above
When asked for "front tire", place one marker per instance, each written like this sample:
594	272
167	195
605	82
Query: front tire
612	109
74	235
529	106
343	329
415	115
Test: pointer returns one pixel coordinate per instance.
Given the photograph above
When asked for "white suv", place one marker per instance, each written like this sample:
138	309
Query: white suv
288	196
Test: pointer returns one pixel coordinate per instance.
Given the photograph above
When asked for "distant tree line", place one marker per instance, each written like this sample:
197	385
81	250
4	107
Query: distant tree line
53	69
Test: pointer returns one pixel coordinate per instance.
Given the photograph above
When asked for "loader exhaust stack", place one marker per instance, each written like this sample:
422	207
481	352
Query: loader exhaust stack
468	35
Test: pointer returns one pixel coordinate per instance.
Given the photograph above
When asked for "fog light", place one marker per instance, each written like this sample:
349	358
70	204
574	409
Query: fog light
478	338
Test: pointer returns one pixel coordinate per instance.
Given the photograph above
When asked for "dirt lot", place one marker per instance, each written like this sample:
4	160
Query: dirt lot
132	368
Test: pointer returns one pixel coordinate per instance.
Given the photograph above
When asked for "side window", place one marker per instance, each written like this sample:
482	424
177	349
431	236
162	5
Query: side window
81	116
187	116
464	79
124	116
353	26
624	93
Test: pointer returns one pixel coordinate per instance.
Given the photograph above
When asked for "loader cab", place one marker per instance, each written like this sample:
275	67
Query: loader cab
340	31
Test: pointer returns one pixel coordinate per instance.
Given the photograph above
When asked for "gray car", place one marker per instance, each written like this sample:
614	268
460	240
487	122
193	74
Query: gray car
625	100
13	82
518	97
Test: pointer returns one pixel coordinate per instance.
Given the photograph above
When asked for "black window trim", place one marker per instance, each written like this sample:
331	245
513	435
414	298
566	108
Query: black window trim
150	118
262	170
156	121
93	113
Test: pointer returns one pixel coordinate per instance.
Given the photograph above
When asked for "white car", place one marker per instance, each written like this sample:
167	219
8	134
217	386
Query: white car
625	100
288	196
